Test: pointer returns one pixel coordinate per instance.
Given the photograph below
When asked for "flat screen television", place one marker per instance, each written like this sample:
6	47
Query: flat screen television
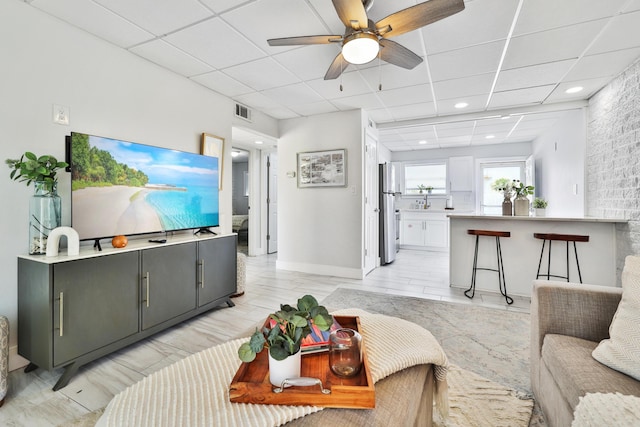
126	188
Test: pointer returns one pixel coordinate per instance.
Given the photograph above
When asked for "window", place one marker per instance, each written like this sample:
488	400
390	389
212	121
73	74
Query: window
426	175
491	200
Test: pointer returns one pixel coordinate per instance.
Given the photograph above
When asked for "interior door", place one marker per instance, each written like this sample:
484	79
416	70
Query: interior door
272	203
371	216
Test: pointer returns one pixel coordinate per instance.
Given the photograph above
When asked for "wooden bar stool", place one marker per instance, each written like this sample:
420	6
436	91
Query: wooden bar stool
561	238
502	284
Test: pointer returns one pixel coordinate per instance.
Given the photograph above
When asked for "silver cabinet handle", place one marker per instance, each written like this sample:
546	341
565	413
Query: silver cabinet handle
61	313
147	279
202	273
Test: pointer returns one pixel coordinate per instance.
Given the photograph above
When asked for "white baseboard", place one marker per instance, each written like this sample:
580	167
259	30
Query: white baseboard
323	270
15	360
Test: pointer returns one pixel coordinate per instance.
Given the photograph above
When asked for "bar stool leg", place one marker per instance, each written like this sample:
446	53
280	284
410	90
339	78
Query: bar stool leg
540	261
567	261
549	263
473	273
502	282
575	250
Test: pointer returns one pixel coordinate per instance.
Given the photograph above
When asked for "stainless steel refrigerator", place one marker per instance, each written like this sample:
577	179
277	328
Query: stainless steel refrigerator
387	213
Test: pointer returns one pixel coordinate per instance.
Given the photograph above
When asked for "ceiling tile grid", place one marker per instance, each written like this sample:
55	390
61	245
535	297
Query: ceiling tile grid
470	56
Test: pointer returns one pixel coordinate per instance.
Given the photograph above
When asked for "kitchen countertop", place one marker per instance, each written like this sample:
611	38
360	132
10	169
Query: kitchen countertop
535	218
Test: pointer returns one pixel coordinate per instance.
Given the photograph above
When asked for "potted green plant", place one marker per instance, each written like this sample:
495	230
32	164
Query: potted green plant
283	335
521	202
421	188
540	206
429	189
45	205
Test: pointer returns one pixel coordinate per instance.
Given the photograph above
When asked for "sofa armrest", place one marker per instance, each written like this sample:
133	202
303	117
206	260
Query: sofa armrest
573	309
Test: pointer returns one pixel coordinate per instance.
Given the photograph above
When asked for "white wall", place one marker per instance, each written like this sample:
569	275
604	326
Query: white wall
110	93
559	154
323	225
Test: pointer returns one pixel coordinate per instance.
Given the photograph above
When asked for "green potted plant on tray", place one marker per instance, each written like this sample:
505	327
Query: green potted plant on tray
283	334
45	205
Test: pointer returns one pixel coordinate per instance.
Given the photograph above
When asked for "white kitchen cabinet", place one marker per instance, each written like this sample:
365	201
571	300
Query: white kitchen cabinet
424	230
461	173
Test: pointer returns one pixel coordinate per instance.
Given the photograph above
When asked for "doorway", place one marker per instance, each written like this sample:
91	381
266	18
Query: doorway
240	197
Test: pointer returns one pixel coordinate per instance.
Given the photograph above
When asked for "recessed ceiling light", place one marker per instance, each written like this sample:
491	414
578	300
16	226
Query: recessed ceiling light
461	105
422	142
259	142
490	136
235	153
574	89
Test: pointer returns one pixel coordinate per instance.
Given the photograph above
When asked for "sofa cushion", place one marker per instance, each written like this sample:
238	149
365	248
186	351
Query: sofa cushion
577	373
622	350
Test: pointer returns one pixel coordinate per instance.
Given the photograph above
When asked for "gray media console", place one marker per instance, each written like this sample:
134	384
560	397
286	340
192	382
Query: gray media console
73	310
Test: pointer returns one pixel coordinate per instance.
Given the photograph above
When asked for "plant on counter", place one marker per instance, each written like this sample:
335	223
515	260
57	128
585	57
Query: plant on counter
522	190
540	203
35	168
504	185
292	324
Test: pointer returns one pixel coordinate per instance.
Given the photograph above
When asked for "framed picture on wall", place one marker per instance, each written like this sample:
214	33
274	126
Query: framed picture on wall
322	169
213	146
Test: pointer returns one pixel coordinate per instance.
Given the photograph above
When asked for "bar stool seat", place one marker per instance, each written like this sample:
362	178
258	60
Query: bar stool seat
551	237
502	284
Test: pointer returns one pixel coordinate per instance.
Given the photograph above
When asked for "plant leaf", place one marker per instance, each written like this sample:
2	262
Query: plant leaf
306	303
29	155
278	352
323	322
245	353
257	342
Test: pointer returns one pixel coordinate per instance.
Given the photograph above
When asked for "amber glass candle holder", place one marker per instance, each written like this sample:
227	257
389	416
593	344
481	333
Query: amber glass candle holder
345	352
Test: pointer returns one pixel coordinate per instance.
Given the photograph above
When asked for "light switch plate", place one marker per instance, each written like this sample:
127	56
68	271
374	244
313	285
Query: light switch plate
60	114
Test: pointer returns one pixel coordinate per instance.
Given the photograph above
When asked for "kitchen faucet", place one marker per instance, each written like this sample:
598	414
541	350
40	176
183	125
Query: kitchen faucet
427	205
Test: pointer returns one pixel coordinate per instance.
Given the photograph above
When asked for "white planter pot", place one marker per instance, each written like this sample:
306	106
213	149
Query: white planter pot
280	370
521	207
541	212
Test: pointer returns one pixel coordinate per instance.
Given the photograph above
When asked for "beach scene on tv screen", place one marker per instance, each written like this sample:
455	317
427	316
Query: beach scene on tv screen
120	187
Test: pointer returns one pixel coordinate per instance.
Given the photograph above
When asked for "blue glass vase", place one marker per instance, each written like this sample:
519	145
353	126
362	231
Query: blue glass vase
44	215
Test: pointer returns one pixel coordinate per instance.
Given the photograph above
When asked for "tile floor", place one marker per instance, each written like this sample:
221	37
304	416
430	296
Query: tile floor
31	402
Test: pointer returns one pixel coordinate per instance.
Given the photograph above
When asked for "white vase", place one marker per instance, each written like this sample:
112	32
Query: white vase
521	206
280	370
541	212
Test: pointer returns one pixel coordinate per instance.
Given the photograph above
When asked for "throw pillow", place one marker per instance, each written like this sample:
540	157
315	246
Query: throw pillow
622	350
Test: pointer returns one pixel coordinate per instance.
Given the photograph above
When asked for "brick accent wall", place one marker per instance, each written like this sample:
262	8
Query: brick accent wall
613	158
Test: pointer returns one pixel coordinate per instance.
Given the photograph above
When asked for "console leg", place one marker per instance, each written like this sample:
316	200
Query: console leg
30	367
230	303
69	372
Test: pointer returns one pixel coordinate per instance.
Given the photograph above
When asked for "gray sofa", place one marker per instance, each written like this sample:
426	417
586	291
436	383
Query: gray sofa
568	320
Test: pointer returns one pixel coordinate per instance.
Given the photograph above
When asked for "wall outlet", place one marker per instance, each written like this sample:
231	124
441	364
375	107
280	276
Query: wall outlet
61	114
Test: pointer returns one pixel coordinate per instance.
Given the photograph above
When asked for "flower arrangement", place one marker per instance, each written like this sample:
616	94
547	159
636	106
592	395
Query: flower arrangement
504	185
522	190
291	325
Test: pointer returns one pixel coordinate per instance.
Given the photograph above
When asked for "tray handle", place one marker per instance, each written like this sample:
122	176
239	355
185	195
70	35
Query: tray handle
302	382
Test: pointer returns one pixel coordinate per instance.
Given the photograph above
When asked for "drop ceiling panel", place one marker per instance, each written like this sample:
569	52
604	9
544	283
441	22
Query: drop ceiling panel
310	109
219	6
168	56
541	15
590	88
159	17
381	9
203	41
413	111
476	103
406	95
535	75
292	19
294	94
621	33
308	62
223	84
380	115
261	74
483	21
356	101
460	88
352	84
454	129
392	78
96	20
603	65
568	42
281	113
532	95
632	5
466	62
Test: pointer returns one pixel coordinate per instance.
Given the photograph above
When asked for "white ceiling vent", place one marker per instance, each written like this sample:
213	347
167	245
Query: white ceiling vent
243	112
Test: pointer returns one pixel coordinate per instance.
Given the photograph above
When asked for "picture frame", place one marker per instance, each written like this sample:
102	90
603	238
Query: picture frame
322	168
213	146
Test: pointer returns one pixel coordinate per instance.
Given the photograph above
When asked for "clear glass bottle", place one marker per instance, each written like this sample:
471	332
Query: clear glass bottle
345	352
44	215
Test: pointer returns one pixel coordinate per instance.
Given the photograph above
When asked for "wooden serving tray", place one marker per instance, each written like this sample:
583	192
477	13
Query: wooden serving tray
251	382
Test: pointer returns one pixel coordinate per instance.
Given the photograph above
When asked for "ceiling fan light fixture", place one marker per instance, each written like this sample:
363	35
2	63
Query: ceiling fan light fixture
360	48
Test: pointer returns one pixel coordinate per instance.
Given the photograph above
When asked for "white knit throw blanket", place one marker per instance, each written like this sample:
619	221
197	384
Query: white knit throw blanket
195	390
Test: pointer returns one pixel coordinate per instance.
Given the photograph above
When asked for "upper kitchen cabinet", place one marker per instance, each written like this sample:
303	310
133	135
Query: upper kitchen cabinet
461	173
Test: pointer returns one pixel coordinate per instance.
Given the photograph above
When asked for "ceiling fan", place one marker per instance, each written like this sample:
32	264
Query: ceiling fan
364	40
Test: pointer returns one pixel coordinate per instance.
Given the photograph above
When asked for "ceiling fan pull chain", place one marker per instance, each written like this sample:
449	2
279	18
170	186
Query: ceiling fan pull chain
341	72
379	73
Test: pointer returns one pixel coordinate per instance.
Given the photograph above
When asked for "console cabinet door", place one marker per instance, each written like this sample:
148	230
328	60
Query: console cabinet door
95	303
217	263
168	283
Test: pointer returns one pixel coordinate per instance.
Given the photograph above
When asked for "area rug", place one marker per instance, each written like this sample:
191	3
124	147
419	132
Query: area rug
489	342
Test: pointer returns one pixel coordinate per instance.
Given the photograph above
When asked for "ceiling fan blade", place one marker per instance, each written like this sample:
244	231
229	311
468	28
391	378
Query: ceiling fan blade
418	16
336	68
351	10
396	54
292	41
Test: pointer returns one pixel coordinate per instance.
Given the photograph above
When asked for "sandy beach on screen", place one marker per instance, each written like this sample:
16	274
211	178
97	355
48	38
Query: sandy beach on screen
113	209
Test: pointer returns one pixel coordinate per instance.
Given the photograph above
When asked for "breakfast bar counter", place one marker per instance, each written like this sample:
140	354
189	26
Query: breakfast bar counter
521	251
